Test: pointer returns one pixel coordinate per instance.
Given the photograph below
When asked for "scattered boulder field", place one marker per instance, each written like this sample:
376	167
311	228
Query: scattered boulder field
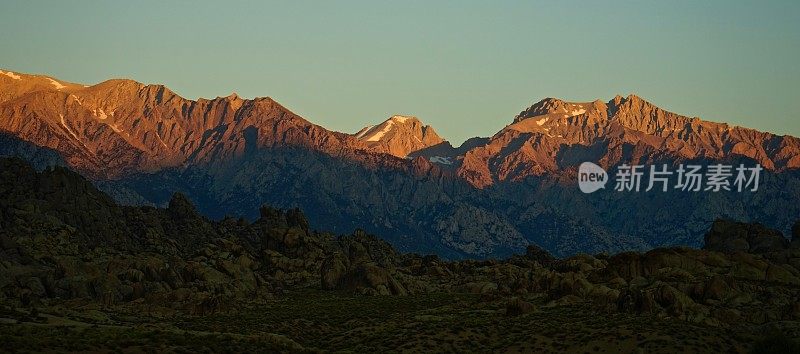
66	247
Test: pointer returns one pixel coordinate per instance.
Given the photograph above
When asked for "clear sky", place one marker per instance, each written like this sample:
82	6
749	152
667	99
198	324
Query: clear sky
465	67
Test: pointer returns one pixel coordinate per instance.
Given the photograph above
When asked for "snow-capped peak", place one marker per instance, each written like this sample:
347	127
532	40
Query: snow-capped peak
399	135
378	132
400	118
375	135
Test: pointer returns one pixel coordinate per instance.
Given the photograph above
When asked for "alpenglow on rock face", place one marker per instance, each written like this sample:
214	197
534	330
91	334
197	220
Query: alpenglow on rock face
119	127
489	197
553	135
399	136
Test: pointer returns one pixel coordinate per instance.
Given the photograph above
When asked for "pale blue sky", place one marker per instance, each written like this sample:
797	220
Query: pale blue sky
465	67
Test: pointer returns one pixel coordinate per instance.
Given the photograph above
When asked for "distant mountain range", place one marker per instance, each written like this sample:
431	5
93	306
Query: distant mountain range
489	197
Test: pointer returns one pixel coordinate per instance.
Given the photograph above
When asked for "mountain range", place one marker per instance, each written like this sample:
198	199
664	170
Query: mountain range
490	197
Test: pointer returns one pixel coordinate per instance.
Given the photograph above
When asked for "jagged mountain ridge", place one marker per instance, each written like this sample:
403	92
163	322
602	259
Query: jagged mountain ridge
553	135
232	155
119	127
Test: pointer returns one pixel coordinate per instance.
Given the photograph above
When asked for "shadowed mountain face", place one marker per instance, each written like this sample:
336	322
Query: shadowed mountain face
73	259
489	197
37	156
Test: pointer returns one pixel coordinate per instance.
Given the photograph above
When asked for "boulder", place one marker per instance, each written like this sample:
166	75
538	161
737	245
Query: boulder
675	302
776	273
717	289
626	265
536	253
371	276
132	275
748	266
180	207
332	271
35	286
296	218
484	287
517	306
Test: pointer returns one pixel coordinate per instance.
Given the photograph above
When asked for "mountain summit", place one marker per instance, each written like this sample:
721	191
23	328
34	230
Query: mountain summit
553	135
399	136
119	127
489	197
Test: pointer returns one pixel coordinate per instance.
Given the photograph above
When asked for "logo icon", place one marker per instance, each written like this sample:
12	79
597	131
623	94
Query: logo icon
591	177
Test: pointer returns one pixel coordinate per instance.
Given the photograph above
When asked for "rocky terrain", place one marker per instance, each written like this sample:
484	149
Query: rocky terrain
400	136
35	155
489	197
119	127
554	135
81	273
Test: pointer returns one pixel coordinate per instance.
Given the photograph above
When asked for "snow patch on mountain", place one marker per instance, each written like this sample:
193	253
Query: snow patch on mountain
56	84
364	131
64	124
160	139
399	119
378	135
115	128
11	75
102	115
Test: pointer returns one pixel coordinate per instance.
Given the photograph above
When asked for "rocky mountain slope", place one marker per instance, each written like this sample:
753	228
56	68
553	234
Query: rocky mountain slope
36	155
489	197
399	136
72	259
119	127
554	136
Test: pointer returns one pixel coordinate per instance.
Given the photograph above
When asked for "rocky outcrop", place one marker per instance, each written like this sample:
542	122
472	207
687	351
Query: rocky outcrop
62	240
538	254
730	236
365	265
